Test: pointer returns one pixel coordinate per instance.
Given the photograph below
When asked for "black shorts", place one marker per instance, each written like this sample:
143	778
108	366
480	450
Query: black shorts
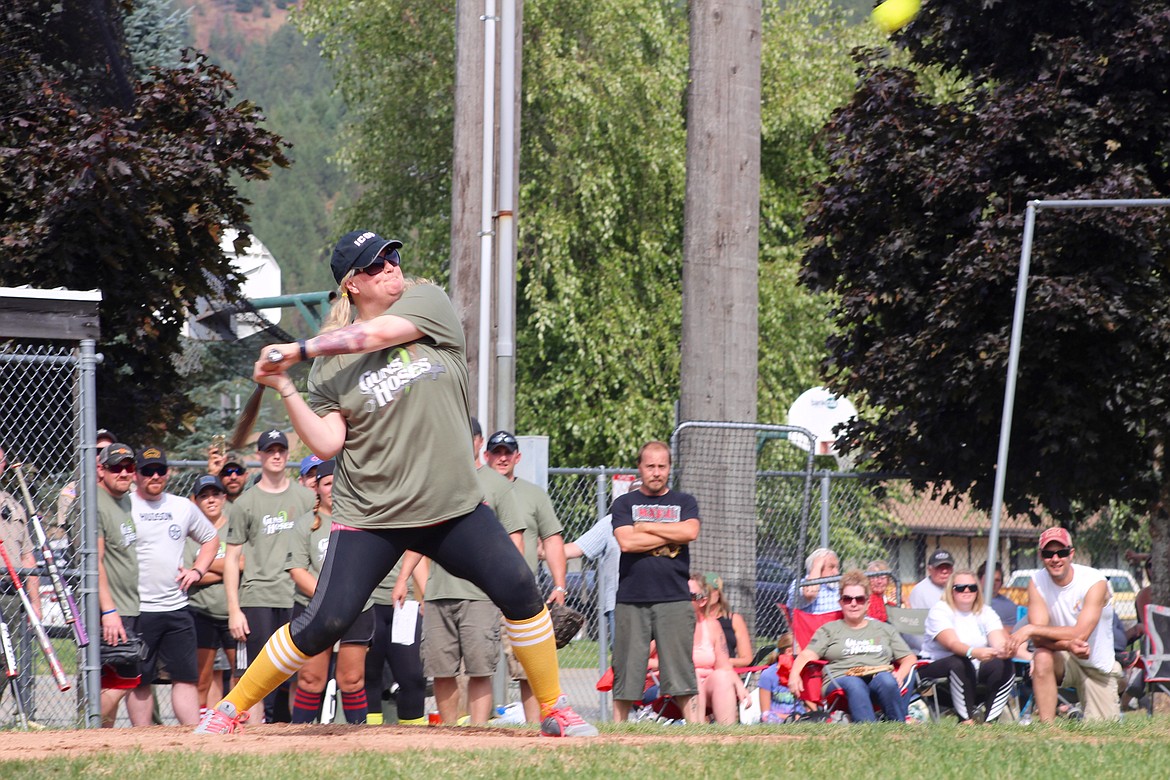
360	632
262	624
211	633
170	638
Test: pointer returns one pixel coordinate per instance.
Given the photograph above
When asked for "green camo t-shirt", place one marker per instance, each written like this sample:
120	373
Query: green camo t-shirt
407	458
263	522
498	494
116	527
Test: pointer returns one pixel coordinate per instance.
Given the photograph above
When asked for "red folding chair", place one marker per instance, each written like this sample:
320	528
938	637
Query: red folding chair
804	625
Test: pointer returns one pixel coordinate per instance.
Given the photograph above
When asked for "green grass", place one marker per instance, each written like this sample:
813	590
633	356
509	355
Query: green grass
1135	748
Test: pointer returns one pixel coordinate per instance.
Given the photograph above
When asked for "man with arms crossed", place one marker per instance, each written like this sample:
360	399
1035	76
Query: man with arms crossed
653	526
1070	623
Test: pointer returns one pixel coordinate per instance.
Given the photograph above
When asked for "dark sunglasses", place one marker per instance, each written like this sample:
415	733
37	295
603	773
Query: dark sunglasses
381	261
231	471
122	468
853	599
1063	552
967	587
698	596
153	471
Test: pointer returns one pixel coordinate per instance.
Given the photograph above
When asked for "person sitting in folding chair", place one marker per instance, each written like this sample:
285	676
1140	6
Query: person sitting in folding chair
966	644
867	659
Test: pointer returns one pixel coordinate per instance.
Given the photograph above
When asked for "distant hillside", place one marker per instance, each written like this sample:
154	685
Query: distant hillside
253	21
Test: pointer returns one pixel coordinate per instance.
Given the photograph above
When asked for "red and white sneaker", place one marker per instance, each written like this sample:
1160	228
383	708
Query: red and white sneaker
222	720
563	721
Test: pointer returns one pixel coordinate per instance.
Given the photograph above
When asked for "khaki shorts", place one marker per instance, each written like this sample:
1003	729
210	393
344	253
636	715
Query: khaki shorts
454	631
1096	689
671	625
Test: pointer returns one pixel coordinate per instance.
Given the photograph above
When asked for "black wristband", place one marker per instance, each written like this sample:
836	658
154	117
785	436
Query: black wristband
304	351
201	573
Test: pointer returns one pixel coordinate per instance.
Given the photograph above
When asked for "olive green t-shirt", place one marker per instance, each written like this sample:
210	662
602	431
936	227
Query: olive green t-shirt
263	522
498	495
540	519
116	527
384	593
407	459
874	644
208	599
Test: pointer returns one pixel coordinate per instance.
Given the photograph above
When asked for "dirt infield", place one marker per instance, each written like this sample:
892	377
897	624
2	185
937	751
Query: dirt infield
280	738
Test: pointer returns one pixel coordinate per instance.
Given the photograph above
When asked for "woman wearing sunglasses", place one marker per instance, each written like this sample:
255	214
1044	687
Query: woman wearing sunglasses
967	645
388	398
867	659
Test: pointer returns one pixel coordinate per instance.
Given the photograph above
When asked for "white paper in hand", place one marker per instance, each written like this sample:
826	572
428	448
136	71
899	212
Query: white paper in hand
405	619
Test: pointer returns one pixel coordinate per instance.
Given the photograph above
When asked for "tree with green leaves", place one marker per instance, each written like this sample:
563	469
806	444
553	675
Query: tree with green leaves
128	195
917	231
602	178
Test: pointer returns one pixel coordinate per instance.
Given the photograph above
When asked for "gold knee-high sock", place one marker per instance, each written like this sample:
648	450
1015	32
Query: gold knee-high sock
279	660
536	650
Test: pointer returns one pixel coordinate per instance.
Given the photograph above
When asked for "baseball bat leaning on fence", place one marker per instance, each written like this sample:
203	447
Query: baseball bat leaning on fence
61	588
11	671
250	411
38	627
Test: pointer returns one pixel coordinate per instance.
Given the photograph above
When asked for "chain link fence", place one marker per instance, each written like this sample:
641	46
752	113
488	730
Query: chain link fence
40	405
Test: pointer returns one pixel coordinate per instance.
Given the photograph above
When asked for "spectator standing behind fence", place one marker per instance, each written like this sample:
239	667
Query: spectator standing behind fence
18	544
965	643
118	578
206	597
817	599
306	554
231	470
735	631
542	531
164	521
598	545
1003	606
1070	624
260	523
653	526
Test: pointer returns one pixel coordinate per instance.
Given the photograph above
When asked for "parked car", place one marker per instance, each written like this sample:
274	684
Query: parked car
1125	589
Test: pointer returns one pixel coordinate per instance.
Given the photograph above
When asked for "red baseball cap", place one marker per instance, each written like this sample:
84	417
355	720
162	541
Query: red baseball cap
1055	535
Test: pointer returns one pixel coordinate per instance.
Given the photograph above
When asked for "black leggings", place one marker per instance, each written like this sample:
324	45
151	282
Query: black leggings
474	547
405	666
996	675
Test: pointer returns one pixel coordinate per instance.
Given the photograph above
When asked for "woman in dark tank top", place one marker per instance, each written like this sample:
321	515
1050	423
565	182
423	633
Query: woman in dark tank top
739	641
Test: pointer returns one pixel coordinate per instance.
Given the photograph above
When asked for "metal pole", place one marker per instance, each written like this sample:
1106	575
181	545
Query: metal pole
602	623
91	669
825	493
506	281
485	229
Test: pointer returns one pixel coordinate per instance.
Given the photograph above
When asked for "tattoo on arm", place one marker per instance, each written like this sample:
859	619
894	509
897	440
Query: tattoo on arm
351	339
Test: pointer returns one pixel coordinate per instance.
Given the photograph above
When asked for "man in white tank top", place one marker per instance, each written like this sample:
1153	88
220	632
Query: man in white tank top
1070	622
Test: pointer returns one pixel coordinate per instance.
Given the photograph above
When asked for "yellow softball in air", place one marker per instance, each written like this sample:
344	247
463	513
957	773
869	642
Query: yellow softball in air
893	15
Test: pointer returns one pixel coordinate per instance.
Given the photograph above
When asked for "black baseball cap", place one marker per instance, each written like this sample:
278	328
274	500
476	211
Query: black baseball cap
115	453
326	469
476	428
271	439
940	558
151	456
502	439
207	481
105	433
356	250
